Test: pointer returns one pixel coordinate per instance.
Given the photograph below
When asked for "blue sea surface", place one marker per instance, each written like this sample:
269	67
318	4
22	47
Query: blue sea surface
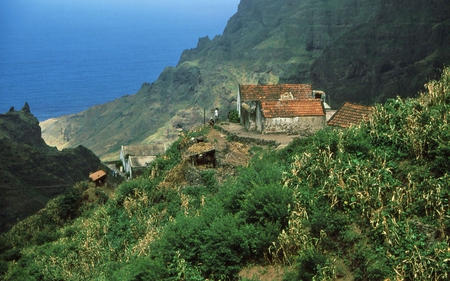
65	58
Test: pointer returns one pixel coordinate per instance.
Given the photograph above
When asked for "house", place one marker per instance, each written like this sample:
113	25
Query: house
136	157
289	116
283	108
249	93
98	177
349	114
136	164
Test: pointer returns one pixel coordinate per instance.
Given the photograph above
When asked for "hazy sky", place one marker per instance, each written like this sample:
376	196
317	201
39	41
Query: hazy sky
48	10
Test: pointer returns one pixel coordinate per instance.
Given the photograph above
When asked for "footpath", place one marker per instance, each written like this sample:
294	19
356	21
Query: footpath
238	133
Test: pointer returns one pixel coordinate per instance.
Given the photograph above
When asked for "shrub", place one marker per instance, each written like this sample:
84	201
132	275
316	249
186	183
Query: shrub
208	178
233	116
102	197
185	236
126	189
329	220
139	269
69	203
370	264
45	237
309	264
267	204
224	248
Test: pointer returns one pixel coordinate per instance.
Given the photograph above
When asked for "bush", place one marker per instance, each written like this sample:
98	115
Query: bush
126	189
329	220
370	264
309	264
185	236
69	203
224	248
233	116
139	269
267	204
208	178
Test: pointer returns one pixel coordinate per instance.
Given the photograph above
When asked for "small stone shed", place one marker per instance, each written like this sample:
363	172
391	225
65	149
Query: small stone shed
202	154
349	114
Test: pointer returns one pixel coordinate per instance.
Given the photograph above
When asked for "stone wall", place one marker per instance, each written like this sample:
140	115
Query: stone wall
294	125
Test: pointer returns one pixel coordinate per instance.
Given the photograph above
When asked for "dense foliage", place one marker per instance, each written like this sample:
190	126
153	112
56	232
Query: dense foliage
370	202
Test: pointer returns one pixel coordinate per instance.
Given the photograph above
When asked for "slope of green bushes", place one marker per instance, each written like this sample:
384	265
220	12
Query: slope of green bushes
371	201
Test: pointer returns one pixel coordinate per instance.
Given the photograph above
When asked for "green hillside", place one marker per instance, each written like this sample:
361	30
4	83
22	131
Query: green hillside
355	50
367	203
32	172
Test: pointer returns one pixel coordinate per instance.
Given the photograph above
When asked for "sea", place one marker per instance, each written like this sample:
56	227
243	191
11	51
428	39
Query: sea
62	57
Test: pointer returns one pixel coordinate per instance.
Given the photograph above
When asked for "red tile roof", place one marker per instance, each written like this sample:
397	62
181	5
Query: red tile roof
97	175
349	114
274	92
292	108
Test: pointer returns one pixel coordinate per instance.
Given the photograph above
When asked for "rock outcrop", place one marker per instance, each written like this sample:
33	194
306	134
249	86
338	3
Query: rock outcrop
394	53
32	172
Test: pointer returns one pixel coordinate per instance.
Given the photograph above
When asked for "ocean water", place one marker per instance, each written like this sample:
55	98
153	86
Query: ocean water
63	58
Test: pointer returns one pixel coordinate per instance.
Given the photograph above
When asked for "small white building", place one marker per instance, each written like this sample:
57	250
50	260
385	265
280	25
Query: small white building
136	164
136	157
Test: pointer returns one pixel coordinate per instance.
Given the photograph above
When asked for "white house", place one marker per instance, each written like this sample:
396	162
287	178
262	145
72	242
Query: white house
138	156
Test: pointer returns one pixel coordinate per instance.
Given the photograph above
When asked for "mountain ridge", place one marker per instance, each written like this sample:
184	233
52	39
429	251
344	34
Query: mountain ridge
33	172
268	42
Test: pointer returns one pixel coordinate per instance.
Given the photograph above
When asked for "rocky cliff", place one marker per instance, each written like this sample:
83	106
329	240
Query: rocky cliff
393	53
355	50
32	172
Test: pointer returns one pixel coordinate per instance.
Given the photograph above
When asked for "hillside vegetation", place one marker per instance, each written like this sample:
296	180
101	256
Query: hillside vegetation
367	203
32	172
363	51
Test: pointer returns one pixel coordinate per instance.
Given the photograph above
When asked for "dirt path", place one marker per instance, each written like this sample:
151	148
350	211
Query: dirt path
237	129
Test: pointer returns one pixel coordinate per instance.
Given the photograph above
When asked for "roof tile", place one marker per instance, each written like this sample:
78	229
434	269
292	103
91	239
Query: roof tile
292	108
349	114
274	92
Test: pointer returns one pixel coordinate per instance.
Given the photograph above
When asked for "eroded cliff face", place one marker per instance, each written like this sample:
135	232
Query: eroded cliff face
21	127
355	50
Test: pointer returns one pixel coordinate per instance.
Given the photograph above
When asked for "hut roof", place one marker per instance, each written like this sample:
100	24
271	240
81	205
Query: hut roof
349	114
275	92
292	108
143	150
97	175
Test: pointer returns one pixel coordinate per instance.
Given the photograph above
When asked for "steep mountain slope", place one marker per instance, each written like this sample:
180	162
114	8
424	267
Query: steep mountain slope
366	203
392	54
273	42
33	172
